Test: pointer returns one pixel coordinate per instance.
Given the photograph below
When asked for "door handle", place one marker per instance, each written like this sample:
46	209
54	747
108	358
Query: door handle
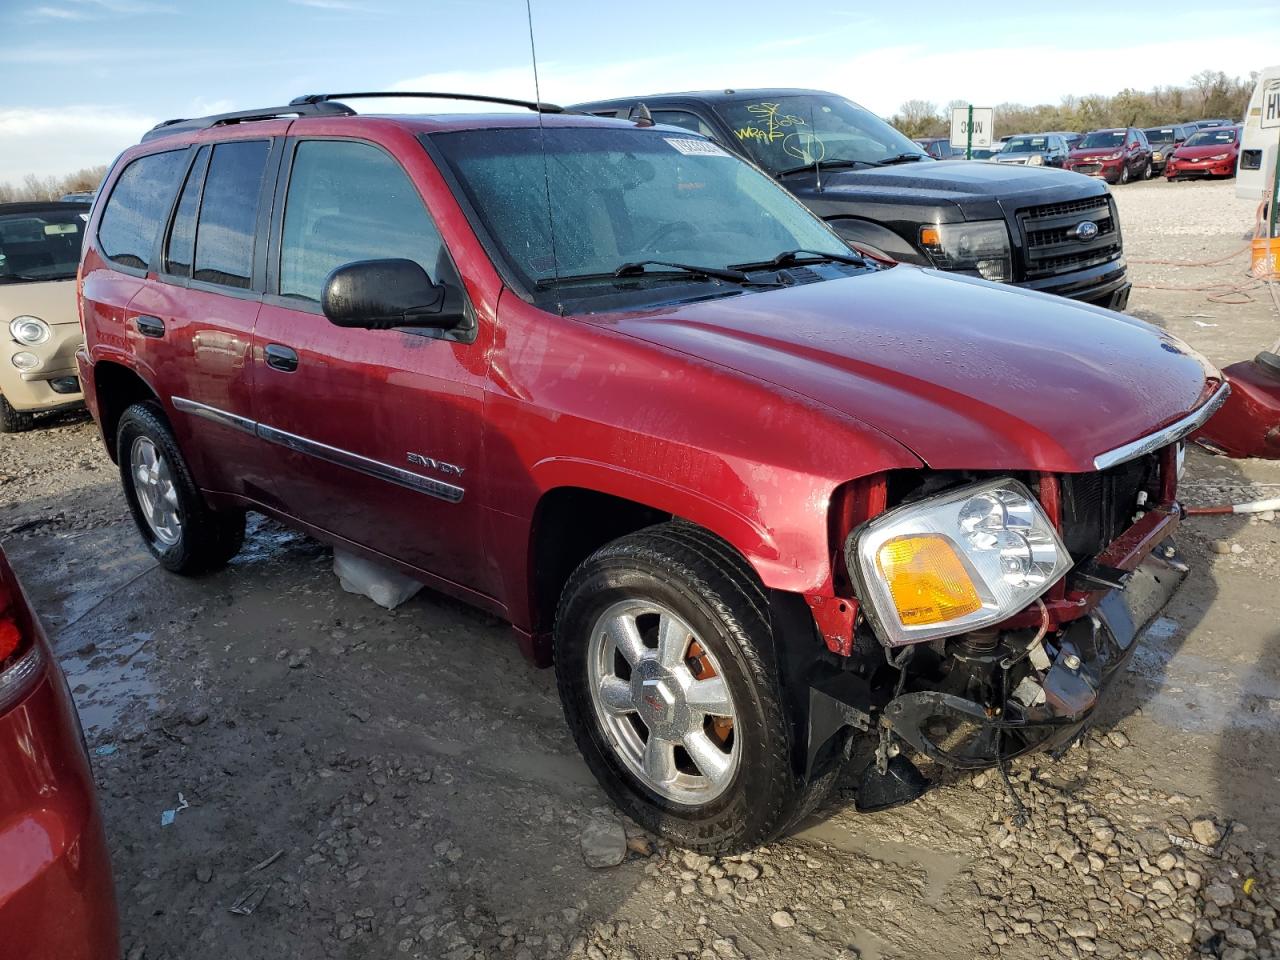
281	358
149	326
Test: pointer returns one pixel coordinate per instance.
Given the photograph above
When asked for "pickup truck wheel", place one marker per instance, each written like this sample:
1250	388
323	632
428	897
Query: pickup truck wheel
13	421
665	669
176	524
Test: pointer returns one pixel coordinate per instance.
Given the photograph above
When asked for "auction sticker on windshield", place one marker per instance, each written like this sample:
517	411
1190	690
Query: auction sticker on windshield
696	148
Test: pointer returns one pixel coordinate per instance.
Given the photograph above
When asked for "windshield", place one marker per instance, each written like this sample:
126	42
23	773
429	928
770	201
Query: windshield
40	245
1027	145
1102	138
1206	138
784	133
1160	134
623	195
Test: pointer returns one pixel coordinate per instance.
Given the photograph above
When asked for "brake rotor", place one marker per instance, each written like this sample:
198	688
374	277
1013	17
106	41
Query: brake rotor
699	664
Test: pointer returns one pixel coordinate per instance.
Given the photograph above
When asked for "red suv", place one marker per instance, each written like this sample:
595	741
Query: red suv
1117	156
56	896
755	494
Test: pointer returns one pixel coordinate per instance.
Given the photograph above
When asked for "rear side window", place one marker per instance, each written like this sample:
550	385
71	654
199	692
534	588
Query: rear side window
137	207
682	118
349	201
229	213
182	237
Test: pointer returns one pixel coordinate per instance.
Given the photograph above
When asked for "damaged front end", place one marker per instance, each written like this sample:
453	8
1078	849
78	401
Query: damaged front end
985	616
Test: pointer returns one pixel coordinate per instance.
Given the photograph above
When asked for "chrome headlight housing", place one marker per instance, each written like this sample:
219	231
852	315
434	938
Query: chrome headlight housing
951	563
981	245
29	330
1035	160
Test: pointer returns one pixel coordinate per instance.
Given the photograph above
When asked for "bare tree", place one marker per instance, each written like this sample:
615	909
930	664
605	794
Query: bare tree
35	187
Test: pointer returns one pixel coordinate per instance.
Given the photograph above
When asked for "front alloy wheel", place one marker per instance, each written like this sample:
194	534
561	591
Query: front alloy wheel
665	661
659	694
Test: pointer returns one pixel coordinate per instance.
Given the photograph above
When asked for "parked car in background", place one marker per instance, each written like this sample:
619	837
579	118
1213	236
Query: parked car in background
1070	136
39	253
985	153
1211	152
1215	122
77	197
1164	140
882	193
1117	155
1034	149
596	312
940	148
57	901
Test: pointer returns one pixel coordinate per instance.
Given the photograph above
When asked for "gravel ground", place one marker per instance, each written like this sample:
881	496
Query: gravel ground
366	784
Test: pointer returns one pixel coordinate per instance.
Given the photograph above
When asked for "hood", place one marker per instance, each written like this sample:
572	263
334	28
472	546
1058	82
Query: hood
1093	153
53	301
1199	151
979	189
966	374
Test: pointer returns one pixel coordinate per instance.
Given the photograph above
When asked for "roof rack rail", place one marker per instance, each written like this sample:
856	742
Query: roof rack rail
296	109
319	98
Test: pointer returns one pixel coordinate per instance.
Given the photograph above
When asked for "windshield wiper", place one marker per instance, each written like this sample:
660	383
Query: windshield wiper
789	258
636	268
901	158
678	271
825	165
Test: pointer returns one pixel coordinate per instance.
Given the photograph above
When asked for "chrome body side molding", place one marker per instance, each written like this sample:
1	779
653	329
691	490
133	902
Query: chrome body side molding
432	487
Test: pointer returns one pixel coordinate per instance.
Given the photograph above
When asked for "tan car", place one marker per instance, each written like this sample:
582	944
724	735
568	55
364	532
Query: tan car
39	253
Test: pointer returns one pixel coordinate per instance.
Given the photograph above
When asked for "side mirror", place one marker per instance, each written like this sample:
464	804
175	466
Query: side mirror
381	294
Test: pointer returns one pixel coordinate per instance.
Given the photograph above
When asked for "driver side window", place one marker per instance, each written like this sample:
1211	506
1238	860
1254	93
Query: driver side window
350	201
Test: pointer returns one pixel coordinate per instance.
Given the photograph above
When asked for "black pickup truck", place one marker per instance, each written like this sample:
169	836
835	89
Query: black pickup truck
1040	228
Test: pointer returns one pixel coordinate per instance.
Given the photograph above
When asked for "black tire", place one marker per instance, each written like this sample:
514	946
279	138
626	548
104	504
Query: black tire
13	421
1146	172
208	538
1124	173
708	585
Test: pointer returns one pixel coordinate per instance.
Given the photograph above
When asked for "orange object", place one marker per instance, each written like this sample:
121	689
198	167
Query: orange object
1265	258
927	579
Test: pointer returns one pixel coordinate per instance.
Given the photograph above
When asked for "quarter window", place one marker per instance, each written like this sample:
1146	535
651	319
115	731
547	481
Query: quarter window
137	207
350	201
229	213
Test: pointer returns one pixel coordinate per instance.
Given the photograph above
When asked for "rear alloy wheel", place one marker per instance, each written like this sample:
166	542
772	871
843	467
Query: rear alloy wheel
1124	173
1146	172
13	421
178	527
665	664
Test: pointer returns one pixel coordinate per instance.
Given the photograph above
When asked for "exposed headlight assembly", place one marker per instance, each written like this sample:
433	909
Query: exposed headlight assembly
29	330
1218	156
982	245
1035	160
955	562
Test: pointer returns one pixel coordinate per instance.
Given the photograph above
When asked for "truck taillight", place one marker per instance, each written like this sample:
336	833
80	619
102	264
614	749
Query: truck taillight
20	657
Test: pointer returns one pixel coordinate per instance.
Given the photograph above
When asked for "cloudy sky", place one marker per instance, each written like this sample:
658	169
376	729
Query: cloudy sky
82	79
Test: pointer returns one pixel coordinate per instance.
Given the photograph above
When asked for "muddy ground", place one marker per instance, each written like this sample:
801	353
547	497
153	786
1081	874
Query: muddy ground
371	784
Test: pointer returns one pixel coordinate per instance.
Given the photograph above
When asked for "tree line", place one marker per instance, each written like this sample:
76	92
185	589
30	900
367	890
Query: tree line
1210	93
35	187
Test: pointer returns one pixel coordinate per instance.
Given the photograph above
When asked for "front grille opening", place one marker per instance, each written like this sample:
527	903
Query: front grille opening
1098	507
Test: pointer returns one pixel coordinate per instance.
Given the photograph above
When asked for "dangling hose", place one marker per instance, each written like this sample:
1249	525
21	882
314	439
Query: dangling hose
1256	506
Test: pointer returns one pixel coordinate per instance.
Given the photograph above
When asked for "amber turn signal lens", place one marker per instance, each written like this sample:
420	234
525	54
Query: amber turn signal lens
927	580
930	237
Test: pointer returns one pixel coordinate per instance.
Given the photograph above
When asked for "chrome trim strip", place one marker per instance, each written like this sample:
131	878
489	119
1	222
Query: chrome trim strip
354	461
343	458
232	420
1161	438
